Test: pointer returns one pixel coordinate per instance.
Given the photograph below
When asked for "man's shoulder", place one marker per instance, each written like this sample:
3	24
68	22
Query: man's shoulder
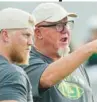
38	57
13	83
6	67
13	77
12	68
34	53
17	68
11	71
35	56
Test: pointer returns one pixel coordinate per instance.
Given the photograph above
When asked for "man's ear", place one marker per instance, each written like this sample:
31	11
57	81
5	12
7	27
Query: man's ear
4	35
38	33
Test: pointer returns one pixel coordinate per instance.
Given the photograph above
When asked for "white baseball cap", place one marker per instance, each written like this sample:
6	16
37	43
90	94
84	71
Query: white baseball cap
50	12
15	18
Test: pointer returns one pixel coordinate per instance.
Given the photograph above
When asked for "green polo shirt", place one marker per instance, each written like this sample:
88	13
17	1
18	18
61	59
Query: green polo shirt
14	83
74	88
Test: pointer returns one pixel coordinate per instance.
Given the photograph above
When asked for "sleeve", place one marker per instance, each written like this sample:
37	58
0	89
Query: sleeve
34	71
13	87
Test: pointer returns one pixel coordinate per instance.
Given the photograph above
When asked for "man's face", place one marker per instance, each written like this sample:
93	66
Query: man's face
20	45
55	39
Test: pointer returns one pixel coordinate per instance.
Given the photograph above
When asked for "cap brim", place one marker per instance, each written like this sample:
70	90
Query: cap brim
72	15
52	19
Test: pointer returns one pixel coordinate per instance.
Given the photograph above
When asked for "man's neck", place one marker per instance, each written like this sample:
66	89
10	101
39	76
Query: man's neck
5	54
47	52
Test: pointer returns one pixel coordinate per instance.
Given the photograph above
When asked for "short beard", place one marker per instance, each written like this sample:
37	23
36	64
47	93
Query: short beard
18	58
63	51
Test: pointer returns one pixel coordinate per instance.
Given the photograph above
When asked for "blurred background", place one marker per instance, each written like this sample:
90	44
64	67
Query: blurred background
85	29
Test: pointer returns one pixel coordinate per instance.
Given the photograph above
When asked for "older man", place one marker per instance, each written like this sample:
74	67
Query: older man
16	31
54	74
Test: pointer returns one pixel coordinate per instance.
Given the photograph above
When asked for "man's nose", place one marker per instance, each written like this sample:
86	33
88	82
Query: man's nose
30	41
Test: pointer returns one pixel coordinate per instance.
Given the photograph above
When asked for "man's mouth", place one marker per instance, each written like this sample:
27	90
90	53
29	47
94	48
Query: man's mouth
64	39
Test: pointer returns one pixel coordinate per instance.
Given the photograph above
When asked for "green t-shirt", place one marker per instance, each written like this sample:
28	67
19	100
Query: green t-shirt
74	88
14	83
